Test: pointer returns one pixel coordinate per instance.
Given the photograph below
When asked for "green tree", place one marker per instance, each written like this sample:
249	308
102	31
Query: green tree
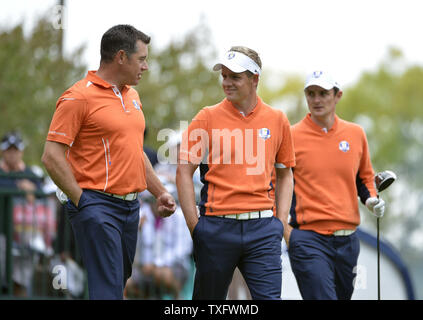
387	103
33	75
284	92
179	82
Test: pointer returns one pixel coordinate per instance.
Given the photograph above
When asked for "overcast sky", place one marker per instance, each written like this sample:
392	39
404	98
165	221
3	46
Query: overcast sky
343	37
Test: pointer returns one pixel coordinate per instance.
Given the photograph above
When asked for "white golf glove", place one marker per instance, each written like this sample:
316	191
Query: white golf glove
63	198
376	206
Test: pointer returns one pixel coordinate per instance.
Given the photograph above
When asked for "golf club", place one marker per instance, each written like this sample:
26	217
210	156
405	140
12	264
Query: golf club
382	181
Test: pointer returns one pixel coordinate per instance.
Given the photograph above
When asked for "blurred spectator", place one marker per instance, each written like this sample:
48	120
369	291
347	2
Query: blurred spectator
12	148
65	248
163	259
151	153
167	168
33	220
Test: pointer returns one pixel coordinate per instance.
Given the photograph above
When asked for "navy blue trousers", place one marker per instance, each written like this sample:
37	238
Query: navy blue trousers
323	265
105	230
254	246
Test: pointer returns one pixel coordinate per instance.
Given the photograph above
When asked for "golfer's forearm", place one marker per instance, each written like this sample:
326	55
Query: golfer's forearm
186	196
154	184
283	194
59	170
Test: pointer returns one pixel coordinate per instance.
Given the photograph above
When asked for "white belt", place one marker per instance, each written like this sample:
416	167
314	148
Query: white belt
126	197
249	215
343	232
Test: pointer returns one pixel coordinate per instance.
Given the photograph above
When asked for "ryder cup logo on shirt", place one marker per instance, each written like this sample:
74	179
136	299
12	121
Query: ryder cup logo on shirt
264	133
136	105
344	146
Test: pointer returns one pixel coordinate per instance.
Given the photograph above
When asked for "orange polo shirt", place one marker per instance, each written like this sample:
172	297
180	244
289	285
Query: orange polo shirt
237	154
104	129
332	170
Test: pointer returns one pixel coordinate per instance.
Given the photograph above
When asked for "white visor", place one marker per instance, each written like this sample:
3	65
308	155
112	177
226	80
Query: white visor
321	79
237	62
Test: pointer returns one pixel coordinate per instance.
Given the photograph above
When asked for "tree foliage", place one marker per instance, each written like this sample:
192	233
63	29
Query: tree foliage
387	103
33	75
179	82
284	92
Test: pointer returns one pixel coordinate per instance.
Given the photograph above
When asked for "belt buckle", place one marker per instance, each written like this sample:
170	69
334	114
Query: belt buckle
343	232
131	196
267	213
127	197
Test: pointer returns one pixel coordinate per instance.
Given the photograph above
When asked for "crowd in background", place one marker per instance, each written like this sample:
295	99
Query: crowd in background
42	237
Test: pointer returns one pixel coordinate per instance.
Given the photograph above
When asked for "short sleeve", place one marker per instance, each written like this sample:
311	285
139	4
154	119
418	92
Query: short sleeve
285	157
67	119
195	140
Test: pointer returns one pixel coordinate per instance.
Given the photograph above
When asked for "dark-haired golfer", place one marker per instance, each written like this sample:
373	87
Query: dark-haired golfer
94	153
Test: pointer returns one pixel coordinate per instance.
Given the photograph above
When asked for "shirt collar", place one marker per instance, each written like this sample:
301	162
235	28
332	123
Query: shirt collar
94	78
318	128
234	109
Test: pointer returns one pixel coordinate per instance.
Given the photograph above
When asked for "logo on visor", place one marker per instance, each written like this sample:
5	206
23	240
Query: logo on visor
317	74
344	146
264	133
231	55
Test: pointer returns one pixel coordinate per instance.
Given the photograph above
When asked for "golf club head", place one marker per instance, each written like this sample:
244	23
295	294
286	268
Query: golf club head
384	179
